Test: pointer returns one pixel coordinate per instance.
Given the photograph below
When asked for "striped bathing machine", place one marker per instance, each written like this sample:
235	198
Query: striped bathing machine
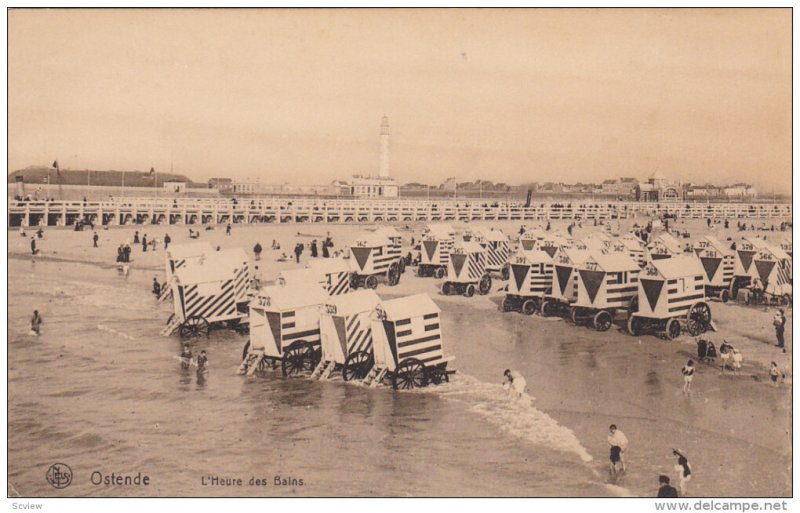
466	270
531	279
607	283
718	261
743	269
774	269
346	335
332	274
407	343
496	244
631	246
376	255
531	237
285	329
564	285
437	241
663	246
671	298
212	289
176	257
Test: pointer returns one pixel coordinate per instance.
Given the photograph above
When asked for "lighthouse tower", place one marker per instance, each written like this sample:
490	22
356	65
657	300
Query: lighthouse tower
383	170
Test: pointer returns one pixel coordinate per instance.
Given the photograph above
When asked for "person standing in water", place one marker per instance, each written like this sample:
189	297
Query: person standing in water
186	357
684	470
36	322
688	376
514	383
202	361
618	443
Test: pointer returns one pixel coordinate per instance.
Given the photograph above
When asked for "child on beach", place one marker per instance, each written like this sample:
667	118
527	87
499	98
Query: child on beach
725	351
688	375
684	470
774	373
618	443
514	383
737	360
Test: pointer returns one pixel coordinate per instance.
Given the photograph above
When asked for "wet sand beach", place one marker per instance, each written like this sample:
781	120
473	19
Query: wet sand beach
101	380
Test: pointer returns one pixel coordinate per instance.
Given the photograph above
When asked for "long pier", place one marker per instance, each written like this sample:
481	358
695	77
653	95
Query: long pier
202	211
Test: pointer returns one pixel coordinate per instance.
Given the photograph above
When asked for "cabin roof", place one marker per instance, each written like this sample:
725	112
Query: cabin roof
671	243
440	230
388	231
613	262
371	240
491	235
534	256
289	297
468	246
408	307
577	256
679	266
359	301
776	251
214	266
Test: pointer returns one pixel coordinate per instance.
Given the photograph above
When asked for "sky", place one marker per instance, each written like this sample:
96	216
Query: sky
513	96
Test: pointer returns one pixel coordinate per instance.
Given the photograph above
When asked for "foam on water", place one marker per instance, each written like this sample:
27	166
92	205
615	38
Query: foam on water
118	333
517	417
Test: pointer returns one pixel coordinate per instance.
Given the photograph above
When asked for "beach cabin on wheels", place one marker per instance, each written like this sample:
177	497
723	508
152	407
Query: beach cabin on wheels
773	267
630	246
531	280
407	344
607	284
663	246
564	285
552	242
496	244
531	237
396	238
346	335
671	299
718	262
176	257
466	270
437	241
285	329
743	269
374	256
213	289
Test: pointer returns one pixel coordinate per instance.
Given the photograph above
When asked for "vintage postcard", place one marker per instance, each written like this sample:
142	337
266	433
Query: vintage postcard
400	253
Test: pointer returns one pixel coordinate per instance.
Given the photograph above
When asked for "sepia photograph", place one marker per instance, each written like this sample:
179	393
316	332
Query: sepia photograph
400	253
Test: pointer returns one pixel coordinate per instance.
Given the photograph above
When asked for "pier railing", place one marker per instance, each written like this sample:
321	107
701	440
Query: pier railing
124	211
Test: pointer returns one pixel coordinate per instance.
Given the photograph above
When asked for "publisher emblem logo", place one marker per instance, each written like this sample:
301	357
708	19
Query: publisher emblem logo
59	475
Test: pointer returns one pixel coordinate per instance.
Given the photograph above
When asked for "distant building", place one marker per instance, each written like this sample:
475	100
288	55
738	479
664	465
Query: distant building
658	188
244	187
360	187
176	187
221	184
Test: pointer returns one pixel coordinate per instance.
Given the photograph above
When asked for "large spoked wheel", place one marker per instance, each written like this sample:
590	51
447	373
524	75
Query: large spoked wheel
470	290
393	276
504	272
602	321
439	273
734	289
485	285
297	358
438	375
786	300
529	307
725	296
357	366
634	325
633	306
548	308
447	288
402	265
698	319
194	326
574	315
371	282
409	374
673	329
